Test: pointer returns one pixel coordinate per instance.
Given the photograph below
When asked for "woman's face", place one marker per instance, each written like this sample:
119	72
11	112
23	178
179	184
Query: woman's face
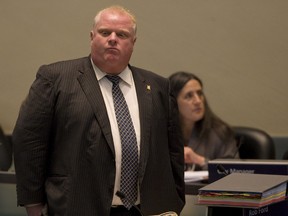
191	101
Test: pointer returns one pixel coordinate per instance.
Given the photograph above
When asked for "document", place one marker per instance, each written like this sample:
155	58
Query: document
170	213
194	176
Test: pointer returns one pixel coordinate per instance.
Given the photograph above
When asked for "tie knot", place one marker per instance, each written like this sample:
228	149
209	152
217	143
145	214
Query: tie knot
114	79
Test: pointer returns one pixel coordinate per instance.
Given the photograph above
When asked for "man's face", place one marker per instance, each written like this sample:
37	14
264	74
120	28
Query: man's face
191	102
112	41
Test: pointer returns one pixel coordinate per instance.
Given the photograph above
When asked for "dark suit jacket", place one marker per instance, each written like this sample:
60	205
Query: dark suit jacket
64	151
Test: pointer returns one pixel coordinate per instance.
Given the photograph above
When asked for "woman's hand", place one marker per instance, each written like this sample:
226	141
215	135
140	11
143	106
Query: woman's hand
190	157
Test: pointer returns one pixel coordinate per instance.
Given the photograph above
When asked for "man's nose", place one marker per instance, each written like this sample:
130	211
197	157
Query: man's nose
112	39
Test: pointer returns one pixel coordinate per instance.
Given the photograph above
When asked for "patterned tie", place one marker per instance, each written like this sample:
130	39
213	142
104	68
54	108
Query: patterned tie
129	166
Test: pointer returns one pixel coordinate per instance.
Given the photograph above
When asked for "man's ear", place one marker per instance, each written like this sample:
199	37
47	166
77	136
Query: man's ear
91	35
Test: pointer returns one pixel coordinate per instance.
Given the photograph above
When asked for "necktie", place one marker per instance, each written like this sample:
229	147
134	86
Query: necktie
129	163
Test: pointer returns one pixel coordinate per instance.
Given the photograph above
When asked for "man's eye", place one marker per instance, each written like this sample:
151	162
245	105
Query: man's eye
122	35
105	33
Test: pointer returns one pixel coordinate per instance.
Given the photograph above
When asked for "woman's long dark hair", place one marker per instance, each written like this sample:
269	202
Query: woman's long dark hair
210	121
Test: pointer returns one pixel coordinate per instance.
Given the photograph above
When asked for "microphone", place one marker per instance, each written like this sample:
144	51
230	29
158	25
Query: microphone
238	145
121	195
221	169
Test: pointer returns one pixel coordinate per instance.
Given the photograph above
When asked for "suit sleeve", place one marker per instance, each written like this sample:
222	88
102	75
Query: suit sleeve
176	147
31	140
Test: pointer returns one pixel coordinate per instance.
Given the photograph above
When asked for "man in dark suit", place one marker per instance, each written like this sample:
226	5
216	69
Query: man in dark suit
67	144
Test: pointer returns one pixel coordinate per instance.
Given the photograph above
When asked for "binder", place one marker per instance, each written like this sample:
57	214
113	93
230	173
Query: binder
244	190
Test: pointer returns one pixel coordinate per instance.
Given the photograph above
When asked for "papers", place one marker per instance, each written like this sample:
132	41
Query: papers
194	176
170	213
244	190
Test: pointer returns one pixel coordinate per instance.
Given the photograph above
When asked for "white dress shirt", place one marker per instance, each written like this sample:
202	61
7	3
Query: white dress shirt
128	89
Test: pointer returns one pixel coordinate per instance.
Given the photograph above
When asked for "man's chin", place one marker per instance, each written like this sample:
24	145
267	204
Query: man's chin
112	59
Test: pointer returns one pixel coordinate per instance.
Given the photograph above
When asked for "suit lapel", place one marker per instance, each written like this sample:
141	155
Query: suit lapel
91	88
143	90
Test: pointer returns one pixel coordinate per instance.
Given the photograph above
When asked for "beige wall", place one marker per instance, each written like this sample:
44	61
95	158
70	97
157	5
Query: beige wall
238	47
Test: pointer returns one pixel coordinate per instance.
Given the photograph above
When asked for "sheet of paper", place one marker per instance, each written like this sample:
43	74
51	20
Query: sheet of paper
194	176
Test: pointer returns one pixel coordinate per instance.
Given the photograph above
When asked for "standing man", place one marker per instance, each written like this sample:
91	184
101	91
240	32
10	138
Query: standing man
71	138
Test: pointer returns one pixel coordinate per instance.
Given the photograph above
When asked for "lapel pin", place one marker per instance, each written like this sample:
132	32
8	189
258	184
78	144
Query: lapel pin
148	87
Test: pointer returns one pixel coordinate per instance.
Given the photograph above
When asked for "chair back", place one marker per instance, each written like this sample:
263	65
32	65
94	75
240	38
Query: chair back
285	155
254	143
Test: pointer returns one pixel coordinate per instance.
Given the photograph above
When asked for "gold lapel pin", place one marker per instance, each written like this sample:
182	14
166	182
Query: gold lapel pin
148	87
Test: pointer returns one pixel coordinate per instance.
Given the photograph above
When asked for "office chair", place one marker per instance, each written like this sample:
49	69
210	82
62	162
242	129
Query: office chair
285	155
254	143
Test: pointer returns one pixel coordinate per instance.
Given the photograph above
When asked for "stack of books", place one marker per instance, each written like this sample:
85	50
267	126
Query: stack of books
244	190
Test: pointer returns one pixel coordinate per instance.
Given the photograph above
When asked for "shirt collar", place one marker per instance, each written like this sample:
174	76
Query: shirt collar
126	74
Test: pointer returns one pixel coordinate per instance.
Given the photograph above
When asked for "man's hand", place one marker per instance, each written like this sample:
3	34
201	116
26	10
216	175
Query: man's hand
35	210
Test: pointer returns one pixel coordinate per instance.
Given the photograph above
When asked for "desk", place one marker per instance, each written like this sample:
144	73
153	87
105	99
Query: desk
191	208
191	188
7	177
8	197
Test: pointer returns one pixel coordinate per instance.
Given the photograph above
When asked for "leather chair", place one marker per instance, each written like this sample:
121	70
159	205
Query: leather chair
285	155
254	143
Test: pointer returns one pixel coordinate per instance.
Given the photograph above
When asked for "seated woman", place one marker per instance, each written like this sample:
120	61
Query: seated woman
206	136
